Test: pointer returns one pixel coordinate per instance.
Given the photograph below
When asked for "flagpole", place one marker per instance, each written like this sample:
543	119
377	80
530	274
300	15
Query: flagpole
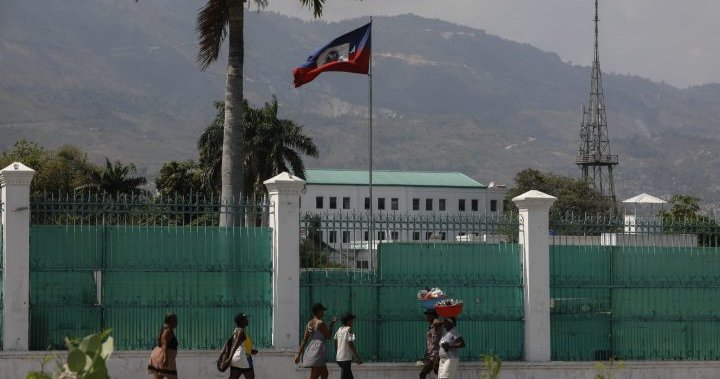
371	225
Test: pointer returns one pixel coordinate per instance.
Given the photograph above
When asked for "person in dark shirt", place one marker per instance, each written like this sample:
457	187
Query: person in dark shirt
431	359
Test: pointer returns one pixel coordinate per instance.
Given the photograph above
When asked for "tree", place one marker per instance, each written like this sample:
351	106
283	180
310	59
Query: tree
683	207
179	178
685	217
272	146
66	170
27	152
574	195
58	172
115	179
217	20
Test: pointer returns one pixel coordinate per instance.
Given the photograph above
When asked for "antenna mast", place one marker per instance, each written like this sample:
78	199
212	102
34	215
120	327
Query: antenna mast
594	156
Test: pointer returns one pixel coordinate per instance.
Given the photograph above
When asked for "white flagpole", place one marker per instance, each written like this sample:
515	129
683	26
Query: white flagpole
371	221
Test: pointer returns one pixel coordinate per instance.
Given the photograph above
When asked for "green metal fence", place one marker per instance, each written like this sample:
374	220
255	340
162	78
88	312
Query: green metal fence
635	292
390	325
98	263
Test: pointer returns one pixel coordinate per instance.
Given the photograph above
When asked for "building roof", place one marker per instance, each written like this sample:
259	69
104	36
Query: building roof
392	178
644	198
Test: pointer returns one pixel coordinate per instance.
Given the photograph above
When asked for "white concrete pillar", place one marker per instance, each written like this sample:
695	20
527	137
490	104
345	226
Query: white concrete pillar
15	182
284	191
534	207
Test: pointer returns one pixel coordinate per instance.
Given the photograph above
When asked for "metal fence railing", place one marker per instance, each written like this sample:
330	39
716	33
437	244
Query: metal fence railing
635	290
472	258
98	263
342	240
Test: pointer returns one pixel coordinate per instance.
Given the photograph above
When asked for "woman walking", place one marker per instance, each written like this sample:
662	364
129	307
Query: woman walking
240	365
345	347
450	342
162	359
312	348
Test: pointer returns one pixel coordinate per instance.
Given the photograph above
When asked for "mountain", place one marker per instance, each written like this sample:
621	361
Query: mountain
118	78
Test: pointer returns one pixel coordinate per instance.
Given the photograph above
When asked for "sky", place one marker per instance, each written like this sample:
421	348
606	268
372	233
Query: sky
674	41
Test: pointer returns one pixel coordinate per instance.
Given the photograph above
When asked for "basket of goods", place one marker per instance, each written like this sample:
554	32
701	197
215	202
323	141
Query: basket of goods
449	308
429	297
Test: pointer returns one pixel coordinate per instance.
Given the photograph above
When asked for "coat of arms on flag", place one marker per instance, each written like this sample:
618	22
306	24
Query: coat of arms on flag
347	53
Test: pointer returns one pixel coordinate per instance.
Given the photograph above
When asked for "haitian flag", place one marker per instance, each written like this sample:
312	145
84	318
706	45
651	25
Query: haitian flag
347	53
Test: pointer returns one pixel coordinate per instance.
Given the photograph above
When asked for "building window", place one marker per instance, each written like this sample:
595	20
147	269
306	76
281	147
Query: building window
366	236
346	203
493	205
319	202
333	202
443	236
416	236
333	236
428	235
381	236
428	204
367	203
394	203
441	205
461	205
361	265
416	204
381	203
474	205
346	236
394	236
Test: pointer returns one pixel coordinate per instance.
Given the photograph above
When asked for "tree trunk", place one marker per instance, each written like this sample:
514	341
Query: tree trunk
233	133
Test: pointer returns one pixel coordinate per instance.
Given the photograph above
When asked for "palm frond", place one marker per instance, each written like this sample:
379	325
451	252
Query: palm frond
315	5
212	22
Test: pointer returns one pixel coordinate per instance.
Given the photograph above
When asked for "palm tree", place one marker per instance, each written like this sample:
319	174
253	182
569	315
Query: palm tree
217	20
115	179
272	146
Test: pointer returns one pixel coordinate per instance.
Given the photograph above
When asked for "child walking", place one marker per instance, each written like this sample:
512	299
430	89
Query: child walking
345	347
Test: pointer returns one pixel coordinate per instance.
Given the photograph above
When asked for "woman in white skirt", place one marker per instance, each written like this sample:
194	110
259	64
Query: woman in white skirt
450	342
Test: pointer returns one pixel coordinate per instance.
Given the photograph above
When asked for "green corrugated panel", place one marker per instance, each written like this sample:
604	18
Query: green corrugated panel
640	303
486	276
68	247
204	274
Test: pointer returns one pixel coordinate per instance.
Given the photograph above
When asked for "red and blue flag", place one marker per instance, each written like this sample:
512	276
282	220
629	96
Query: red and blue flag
347	53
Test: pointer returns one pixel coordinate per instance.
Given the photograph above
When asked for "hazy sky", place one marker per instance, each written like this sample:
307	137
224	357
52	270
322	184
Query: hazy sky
675	41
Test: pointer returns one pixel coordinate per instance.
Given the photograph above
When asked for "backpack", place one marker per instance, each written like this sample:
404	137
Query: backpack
225	359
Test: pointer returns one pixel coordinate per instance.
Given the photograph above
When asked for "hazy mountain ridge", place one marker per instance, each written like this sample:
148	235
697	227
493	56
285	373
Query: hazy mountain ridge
119	79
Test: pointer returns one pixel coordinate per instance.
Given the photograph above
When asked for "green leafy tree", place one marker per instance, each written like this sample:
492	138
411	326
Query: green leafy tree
574	195
272	145
66	170
180	178
685	216
27	152
57	172
115	179
682	207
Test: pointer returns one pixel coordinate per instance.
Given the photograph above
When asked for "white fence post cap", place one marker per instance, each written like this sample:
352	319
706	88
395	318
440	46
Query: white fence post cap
16	174
534	199
284	182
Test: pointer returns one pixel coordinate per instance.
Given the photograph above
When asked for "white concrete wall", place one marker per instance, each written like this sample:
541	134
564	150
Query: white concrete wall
278	364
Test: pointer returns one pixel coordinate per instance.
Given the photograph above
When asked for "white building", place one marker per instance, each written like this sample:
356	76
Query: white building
420	206
409	192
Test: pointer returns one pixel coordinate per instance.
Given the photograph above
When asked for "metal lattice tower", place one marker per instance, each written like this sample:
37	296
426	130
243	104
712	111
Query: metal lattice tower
594	156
